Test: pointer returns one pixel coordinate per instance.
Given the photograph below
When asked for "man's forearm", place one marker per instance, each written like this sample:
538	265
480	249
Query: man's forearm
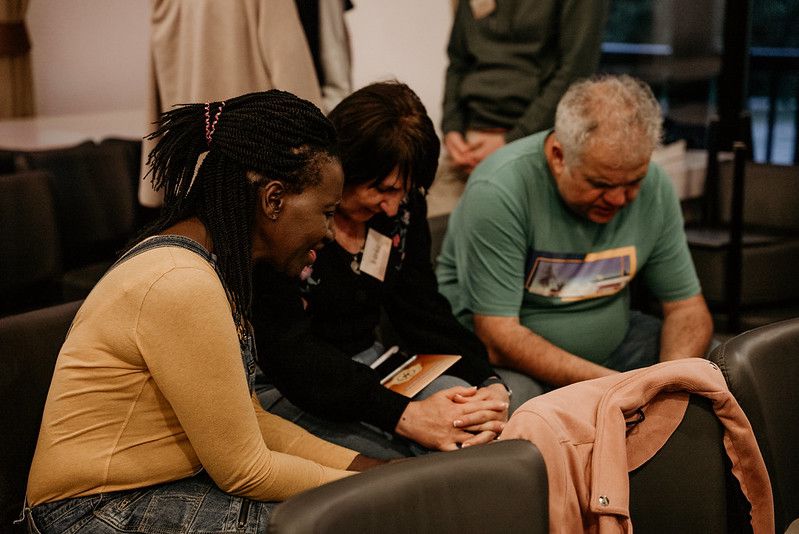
512	345
687	329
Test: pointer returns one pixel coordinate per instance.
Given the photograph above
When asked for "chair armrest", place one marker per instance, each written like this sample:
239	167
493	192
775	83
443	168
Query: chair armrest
498	487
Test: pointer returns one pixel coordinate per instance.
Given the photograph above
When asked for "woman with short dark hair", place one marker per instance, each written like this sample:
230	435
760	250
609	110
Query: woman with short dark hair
316	335
150	423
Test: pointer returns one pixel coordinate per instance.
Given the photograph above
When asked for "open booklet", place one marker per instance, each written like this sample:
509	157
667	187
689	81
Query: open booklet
408	374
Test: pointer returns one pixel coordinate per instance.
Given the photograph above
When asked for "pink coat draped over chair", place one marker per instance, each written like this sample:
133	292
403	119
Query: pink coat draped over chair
581	431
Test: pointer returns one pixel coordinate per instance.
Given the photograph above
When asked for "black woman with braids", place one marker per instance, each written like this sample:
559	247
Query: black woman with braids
150	423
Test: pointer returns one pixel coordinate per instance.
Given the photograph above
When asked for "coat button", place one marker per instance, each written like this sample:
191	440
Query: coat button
603	501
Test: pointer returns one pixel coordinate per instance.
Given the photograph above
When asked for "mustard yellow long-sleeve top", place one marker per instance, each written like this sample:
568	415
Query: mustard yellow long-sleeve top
149	387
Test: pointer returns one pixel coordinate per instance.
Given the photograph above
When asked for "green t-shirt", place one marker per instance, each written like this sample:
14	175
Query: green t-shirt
513	248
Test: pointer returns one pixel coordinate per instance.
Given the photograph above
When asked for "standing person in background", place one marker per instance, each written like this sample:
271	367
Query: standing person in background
151	423
510	62
329	41
317	338
206	50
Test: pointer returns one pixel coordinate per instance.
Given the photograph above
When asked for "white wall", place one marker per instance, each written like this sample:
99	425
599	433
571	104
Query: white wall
91	55
406	40
88	55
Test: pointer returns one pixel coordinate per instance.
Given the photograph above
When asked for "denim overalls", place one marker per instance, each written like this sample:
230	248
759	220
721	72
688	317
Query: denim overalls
193	504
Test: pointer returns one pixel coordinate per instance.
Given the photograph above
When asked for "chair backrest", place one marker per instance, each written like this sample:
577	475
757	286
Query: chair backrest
93	195
692	462
7	163
771	195
125	156
499	487
29	345
29	244
761	367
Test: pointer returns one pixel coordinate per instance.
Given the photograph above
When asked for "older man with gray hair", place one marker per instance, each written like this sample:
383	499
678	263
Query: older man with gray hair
553	227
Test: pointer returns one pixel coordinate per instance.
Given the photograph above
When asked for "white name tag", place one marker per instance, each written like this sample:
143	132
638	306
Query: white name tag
376	251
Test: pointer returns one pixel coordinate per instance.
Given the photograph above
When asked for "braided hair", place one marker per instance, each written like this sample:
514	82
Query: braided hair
274	133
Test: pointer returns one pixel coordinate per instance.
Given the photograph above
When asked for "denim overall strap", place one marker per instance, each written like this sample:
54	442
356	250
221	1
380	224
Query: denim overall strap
243	326
168	241
26	517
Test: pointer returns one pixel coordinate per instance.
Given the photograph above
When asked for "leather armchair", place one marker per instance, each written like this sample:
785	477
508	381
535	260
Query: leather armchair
761	367
502	487
30	343
498	487
29	244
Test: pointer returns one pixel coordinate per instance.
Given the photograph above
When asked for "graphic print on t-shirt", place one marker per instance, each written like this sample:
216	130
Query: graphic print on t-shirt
572	277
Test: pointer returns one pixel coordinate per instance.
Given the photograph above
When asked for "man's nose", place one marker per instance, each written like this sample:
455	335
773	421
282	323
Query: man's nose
616	197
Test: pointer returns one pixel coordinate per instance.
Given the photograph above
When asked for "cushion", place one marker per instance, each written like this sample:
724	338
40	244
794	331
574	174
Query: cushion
93	198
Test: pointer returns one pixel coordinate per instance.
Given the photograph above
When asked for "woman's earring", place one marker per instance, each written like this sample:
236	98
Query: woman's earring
272	200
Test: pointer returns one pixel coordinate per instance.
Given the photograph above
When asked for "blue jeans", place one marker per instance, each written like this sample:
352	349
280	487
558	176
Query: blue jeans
368	439
640	346
194	504
362	437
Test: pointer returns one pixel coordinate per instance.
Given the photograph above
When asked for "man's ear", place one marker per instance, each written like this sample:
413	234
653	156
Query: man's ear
271	199
556	156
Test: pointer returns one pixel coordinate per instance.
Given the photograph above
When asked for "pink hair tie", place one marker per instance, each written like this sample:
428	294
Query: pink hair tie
210	126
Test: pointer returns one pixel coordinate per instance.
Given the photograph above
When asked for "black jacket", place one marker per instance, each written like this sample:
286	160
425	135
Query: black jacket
307	354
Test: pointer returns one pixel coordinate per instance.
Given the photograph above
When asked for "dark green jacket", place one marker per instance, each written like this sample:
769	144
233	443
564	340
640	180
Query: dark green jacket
510	68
